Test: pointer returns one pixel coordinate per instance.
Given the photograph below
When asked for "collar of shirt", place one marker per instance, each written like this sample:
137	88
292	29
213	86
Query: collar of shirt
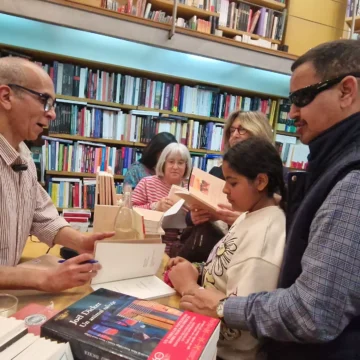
10	155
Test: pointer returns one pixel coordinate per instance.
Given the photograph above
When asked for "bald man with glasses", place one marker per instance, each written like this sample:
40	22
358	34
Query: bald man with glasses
27	101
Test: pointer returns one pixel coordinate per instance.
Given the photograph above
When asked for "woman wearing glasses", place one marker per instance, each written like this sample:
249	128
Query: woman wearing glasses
241	125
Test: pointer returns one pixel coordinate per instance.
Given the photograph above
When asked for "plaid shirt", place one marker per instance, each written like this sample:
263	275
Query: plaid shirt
326	296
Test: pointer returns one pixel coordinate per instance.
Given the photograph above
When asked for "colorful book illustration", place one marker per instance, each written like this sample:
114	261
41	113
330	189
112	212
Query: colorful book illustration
113	326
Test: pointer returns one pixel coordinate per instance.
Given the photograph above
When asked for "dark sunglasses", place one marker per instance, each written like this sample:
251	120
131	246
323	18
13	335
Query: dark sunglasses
46	99
306	95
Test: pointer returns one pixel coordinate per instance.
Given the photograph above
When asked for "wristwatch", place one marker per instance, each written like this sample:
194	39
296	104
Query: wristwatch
220	308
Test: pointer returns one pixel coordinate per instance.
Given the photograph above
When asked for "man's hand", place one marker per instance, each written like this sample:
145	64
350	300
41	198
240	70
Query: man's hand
202	301
81	242
184	276
227	214
87	241
71	273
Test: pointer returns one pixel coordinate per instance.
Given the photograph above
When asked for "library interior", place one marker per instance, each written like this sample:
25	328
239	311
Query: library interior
179	179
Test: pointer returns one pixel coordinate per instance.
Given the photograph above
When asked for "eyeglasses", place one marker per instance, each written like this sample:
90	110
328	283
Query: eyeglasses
179	163
240	130
306	95
46	99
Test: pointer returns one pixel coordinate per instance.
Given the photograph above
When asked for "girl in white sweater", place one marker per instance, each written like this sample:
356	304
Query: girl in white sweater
248	258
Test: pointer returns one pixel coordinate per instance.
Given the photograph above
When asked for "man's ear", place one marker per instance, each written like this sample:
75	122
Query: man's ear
349	91
5	97
261	182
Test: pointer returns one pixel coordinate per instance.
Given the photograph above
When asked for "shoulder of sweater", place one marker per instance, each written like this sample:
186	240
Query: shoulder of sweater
261	235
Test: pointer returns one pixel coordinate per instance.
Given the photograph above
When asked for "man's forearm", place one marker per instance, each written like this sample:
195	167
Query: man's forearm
21	278
68	237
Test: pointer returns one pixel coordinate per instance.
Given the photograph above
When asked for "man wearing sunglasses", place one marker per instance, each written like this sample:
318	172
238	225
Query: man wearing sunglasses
27	101
315	312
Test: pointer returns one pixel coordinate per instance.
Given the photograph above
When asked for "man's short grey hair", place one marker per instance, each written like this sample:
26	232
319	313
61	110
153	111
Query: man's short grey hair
13	70
174	149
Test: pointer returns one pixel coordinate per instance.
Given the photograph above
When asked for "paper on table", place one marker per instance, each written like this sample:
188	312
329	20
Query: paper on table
148	287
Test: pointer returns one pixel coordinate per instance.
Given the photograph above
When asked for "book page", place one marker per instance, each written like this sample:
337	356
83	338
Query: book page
121	261
174	218
148	287
205	191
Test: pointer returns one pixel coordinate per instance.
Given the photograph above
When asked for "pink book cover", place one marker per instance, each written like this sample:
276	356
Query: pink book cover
34	316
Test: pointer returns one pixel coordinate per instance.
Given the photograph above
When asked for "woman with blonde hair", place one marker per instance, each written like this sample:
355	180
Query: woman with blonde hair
239	126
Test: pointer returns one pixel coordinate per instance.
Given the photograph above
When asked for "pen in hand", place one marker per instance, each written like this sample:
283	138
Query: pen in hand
85	262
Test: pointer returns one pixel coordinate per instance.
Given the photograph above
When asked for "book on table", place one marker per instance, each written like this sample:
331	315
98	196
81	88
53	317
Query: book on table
109	325
130	268
16	343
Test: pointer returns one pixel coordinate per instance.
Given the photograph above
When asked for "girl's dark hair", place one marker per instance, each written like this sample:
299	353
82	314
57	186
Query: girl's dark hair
157	144
257	156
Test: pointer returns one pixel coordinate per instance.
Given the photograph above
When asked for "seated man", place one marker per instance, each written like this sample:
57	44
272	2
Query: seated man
27	100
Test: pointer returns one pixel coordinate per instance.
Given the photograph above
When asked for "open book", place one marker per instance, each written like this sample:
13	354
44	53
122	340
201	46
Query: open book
205	191
130	269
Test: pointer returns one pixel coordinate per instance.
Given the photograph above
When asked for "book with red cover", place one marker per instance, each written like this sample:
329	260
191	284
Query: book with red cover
109	325
34	316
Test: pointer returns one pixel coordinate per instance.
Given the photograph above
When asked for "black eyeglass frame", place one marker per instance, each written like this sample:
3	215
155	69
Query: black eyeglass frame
310	92
47	105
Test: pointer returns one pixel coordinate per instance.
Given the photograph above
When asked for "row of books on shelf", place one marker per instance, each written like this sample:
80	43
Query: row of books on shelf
73	80
252	19
74	192
115	125
86	157
293	153
284	123
350	8
237	15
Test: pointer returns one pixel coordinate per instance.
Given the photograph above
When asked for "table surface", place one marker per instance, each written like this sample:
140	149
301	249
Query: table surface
34	249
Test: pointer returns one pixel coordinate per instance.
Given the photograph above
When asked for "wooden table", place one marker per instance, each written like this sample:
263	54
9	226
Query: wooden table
62	300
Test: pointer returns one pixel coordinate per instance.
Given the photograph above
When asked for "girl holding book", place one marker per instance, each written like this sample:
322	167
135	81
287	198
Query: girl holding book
249	256
240	125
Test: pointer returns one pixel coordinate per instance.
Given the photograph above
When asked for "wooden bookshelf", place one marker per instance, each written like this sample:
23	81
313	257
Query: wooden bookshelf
190	116
232	32
271	4
164	4
204	151
348	21
91	139
96	102
287	133
184	11
114	142
78	174
61	209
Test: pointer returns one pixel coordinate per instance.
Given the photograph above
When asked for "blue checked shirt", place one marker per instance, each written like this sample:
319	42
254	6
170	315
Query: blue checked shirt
326	296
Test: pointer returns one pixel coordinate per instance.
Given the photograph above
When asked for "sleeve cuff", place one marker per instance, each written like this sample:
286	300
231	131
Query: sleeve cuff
234	313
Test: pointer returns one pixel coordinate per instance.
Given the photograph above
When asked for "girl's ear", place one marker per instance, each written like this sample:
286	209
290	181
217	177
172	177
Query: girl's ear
261	182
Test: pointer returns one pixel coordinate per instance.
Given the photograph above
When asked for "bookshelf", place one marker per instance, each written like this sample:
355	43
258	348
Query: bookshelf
185	11
348	21
78	174
271	4
287	133
232	32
